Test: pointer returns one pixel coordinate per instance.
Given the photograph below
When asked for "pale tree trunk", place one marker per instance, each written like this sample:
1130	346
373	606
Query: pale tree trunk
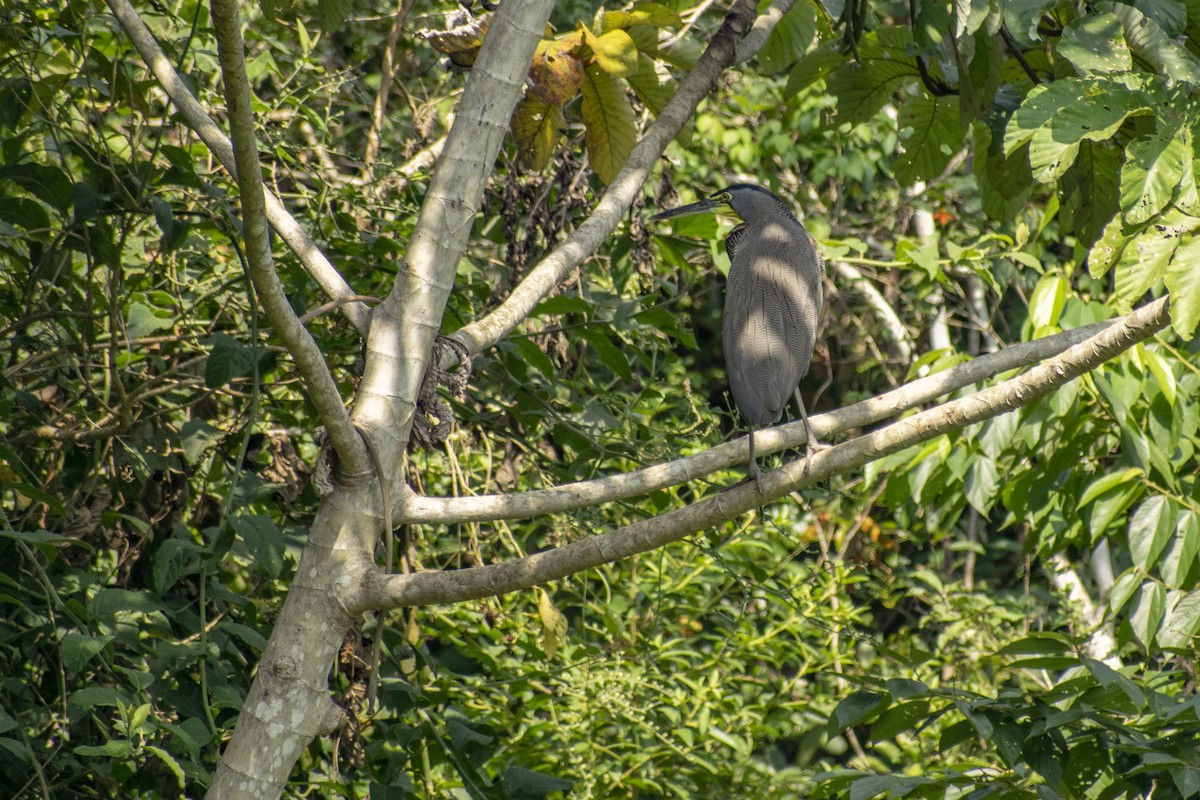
289	703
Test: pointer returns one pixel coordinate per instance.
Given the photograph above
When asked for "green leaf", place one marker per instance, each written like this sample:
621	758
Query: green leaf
113	748
651	87
535	357
610	355
884	68
1153	46
1131	475
934	136
263	539
78	649
1023	17
196	436
144	320
1151	526
610	130
969	16
1004	181
1047	301
813	67
173	559
1148	613
1055	145
169	762
1124	589
526	784
48	184
790	39
1180	560
1153	172
900	717
1182	623
228	360
1095	43
1183	282
981	484
1091	191
1087	762
1145	259
562	304
857	708
92	696
1108	247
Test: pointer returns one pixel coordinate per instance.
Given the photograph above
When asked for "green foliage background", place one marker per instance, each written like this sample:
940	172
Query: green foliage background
903	631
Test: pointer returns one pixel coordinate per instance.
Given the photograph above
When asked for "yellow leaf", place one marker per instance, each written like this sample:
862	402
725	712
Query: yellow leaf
610	131
615	51
554	624
652	14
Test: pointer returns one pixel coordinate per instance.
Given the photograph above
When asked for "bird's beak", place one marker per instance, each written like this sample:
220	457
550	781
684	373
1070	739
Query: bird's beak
708	206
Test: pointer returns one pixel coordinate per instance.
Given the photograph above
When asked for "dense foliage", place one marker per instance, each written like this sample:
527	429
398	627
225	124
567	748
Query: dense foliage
1010	610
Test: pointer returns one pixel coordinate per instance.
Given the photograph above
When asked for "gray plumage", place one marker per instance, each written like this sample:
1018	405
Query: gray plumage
773	303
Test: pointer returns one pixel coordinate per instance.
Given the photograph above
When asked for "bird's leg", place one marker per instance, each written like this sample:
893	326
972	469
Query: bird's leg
810	444
752	465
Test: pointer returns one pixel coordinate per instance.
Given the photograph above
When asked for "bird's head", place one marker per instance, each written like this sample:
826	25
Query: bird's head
745	201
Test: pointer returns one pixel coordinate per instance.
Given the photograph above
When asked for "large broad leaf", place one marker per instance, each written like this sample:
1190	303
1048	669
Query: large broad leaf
1042	104
1154	171
652	14
1148	613
1095	43
1022	18
652	88
935	136
555	73
1183	282
1004	181
615	51
535	126
1109	247
1177	564
1152	45
1144	260
1090	191
610	131
885	67
969	16
1055	145
814	67
791	38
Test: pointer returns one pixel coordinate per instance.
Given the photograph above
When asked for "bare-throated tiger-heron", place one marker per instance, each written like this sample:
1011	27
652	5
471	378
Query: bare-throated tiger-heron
773	304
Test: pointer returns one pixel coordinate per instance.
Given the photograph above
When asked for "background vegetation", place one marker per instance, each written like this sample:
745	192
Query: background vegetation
1007	611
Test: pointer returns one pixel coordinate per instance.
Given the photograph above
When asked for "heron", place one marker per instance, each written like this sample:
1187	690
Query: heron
773	305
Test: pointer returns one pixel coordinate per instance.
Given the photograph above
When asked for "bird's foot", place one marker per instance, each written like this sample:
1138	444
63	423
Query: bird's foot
811	448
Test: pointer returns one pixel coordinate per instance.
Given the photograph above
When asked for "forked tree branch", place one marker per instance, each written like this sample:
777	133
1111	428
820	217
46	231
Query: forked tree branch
420	589
588	237
296	238
323	390
572	496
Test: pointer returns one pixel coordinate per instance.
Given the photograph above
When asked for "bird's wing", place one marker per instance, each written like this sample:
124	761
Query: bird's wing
731	241
772	310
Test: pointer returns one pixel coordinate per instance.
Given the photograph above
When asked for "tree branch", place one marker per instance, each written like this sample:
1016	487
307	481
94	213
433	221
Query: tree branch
453	586
323	391
749	46
588	237
572	496
296	238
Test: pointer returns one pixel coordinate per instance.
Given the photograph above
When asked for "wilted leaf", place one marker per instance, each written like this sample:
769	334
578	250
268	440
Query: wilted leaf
535	126
554	624
555	74
462	42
